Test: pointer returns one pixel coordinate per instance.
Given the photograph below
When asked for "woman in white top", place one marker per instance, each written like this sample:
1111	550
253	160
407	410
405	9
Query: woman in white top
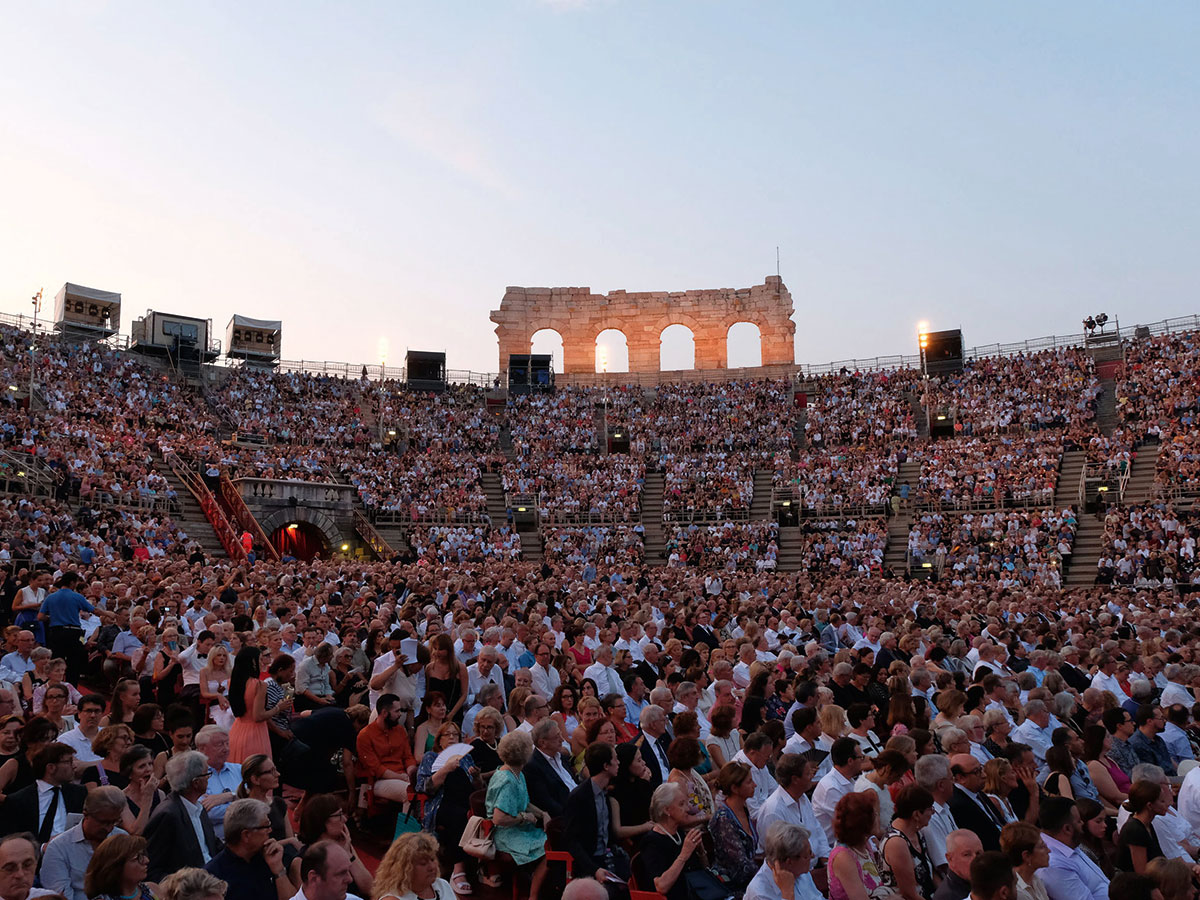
723	740
214	686
784	874
409	871
890	766
28	603
1023	845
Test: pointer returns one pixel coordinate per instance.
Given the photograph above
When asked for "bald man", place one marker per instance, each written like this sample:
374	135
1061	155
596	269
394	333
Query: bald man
962	847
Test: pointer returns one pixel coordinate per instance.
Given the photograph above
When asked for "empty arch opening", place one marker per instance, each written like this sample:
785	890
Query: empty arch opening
743	345
547	340
612	351
676	348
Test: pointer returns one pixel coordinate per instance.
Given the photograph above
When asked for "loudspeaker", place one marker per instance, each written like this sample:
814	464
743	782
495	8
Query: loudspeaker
943	352
426	370
529	372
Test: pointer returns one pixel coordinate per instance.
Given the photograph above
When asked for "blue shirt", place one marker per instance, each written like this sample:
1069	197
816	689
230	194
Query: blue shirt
63	607
1148	750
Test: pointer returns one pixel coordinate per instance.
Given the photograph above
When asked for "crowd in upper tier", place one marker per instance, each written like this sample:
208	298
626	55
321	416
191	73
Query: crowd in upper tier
767	710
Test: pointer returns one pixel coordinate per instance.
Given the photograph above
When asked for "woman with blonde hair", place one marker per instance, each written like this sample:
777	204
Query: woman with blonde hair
590	710
950	706
516	708
192	884
409	871
214	687
110	745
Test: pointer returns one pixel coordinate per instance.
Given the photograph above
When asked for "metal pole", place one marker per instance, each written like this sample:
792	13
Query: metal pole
37	302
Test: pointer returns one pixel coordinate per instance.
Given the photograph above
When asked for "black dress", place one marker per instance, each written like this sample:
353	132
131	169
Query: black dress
657	853
450	688
486	758
1136	834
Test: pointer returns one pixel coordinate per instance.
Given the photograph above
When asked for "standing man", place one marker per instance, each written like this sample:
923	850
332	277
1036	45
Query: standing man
65	637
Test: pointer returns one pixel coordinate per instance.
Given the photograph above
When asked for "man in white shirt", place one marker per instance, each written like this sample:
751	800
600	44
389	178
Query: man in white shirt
485	670
511	648
66	859
1175	692
932	772
847	758
687	699
390	675
1071	875
789	803
755	752
608	681
15	665
224	777
545	677
1035	730
79	738
741	672
1106	679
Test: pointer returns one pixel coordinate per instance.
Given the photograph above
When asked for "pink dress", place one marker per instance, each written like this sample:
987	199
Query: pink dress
247	737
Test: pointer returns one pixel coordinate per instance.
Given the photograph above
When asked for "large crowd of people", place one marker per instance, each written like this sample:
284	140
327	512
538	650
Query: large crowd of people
177	725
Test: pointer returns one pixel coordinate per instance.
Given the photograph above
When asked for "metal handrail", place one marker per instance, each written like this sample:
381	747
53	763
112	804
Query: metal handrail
1040	498
245	518
374	539
208	504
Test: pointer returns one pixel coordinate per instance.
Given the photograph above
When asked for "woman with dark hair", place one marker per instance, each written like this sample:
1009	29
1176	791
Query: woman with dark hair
732	828
614	708
877	688
1112	783
900	706
433	716
147	728
142	795
904	847
127	696
449	789
117	870
260	781
853	861
1137	843
249	734
324	819
18	771
632	788
562	709
1097	840
723	742
1061	765
446	675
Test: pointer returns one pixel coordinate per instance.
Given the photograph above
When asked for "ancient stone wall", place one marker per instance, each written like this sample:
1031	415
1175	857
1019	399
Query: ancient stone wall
579	316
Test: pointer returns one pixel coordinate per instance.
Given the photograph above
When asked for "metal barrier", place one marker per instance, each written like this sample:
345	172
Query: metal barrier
1041	498
208	503
28	470
244	517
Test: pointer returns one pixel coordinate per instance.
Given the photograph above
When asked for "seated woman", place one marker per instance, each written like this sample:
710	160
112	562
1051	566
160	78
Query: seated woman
734	835
489	725
590	711
324	819
684	756
448	805
614	708
787	860
666	855
631	789
723	742
520	826
409	871
142	795
855	868
110	745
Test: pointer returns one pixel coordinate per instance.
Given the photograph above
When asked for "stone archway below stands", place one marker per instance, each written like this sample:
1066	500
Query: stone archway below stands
302	532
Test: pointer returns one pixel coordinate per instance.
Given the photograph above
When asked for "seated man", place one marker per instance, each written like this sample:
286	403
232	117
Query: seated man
179	835
589	830
325	873
549	780
18	866
384	751
252	862
68	855
42	807
224	777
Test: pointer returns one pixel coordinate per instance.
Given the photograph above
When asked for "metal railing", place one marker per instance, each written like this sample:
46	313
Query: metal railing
380	547
208	504
439	517
244	517
27	469
1038	498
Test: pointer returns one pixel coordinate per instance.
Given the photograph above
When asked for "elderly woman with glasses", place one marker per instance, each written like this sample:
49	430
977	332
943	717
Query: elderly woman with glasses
118	870
448	789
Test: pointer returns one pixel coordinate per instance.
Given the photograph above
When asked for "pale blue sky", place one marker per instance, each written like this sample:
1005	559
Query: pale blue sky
371	171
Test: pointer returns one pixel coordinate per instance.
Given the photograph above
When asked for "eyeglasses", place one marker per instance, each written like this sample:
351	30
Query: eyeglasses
143	858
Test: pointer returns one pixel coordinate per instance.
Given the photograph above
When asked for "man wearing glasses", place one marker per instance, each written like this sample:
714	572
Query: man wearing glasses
68	855
545	677
252	862
179	834
18	866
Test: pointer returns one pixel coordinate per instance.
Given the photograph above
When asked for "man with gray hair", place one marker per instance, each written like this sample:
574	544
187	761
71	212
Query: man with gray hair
224	777
485	670
252	862
178	833
652	743
67	856
1035	730
786	845
1175	692
548	780
489	695
932	772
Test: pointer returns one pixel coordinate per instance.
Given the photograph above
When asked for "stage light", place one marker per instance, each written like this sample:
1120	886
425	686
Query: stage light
293	526
787	502
941	418
520	509
616	434
391	432
21	474
1102	319
12	387
345	547
926	565
1103	488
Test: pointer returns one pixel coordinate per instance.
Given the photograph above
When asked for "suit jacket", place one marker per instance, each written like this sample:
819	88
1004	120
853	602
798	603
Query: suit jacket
649	675
20	811
579	830
546	790
1074	677
171	840
657	776
970	816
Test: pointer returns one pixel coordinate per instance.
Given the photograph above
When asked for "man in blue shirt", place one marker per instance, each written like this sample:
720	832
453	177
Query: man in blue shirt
1146	743
65	637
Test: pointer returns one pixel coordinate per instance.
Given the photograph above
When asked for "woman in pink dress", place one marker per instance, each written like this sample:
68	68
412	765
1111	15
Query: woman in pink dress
248	699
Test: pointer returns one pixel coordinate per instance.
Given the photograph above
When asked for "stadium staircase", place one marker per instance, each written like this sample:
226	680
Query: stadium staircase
895	556
1106	406
764	486
654	538
918	410
1141	475
1070	470
598	428
533	550
190	515
506	446
791	549
494	490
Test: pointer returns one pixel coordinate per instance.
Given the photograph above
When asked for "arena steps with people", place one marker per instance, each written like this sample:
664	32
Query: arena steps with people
1085	553
896	555
496	507
654	539
1070	470
533	548
506	444
1140	487
791	549
764	485
189	514
1106	406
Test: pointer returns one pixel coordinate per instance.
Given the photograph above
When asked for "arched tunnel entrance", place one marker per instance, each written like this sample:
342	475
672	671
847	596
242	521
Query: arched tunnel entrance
301	540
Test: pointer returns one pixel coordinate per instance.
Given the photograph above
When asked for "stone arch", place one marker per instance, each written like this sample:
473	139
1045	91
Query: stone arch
549	340
743	345
676	348
615	343
323	523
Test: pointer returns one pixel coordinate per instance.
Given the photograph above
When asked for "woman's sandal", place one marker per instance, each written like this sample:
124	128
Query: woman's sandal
492	881
459	882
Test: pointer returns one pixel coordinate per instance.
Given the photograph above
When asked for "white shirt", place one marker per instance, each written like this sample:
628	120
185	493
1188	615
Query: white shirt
1189	798
886	807
45	798
705	728
741	675
830	789
401	683
1170	828
1176	693
941	823
764	784
556	764
192	663
1109	683
1038	738
80	743
547	680
606	678
780	807
763	887
476	680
